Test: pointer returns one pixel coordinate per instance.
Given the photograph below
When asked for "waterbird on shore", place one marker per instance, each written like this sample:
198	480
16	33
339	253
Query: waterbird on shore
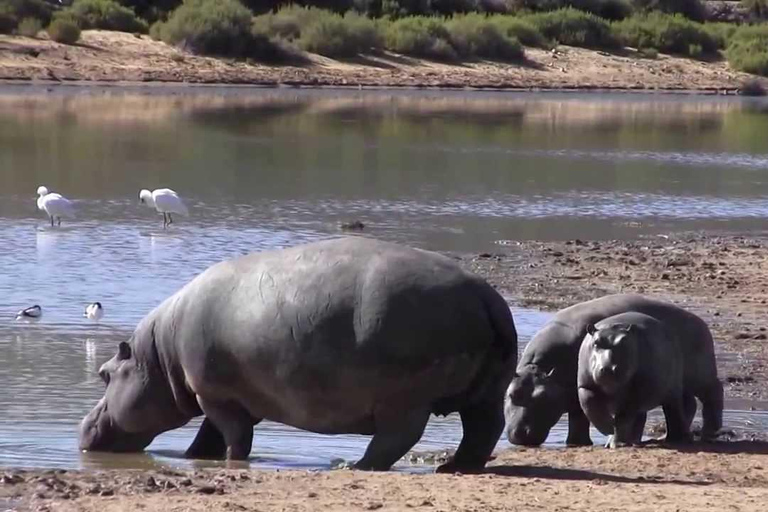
165	201
94	311
32	312
54	205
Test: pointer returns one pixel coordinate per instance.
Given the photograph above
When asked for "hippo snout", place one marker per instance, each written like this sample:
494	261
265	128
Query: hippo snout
526	435
99	433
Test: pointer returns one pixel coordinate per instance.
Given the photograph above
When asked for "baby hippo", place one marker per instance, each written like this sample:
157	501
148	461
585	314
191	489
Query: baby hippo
629	364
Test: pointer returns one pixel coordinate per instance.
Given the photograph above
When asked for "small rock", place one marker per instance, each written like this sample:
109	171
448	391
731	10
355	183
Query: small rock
107	492
185	482
206	489
374	506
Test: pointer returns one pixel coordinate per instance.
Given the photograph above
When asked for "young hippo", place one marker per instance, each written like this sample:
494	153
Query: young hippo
628	365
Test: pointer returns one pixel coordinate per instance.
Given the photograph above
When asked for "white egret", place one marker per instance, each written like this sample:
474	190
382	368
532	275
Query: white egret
94	311
55	205
31	312
165	201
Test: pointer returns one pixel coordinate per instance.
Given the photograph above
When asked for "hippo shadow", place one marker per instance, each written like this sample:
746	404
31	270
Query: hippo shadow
551	473
723	447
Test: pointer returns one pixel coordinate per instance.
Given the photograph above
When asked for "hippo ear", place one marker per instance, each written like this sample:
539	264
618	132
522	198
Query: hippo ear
123	351
591	329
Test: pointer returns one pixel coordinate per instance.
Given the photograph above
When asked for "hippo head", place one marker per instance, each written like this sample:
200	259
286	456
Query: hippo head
138	403
534	402
612	355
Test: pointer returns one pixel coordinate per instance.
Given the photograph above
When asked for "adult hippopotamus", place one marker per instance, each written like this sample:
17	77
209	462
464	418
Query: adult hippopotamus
349	335
544	387
629	364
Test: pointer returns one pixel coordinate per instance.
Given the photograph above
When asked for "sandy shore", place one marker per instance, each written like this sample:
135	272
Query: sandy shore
728	477
114	57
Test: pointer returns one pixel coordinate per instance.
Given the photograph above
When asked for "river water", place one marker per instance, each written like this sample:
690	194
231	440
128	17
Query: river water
270	168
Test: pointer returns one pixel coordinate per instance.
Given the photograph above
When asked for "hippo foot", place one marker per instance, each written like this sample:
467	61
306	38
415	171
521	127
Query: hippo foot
451	467
612	443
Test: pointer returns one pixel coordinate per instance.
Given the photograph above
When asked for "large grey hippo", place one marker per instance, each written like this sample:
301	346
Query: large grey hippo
350	335
544	387
629	364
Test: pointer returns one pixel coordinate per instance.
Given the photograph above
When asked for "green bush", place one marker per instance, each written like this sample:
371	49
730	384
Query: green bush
720	32
475	35
574	28
30	27
608	9
287	22
335	35
520	29
13	11
105	15
748	49
64	31
213	27
670	33
420	36
692	9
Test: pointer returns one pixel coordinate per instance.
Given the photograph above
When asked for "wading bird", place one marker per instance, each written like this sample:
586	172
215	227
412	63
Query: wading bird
165	201
54	205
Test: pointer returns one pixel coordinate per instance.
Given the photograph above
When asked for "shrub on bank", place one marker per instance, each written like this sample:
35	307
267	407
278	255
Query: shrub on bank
334	35
29	27
475	35
321	31
12	12
212	27
105	15
521	29
574	28
608	9
748	49
666	33
420	36
64	31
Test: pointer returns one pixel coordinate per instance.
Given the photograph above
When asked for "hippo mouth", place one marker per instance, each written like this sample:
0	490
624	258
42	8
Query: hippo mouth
527	426
100	433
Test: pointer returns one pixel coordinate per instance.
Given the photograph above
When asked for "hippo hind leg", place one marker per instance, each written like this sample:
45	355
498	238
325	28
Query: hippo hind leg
482	425
711	409
395	433
208	444
235	425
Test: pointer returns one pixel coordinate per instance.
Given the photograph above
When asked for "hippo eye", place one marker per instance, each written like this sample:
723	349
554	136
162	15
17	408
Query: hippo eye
104	376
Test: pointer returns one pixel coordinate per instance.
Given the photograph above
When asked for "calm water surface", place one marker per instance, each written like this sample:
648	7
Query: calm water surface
264	168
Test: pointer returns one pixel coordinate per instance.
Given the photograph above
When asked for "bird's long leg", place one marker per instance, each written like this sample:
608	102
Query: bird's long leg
165	221
58	220
170	219
51	216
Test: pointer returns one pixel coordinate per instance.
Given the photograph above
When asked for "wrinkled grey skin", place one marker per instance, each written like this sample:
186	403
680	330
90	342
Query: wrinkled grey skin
351	335
628	365
545	385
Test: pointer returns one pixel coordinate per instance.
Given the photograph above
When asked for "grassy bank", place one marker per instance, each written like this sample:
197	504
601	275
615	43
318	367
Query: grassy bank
227	28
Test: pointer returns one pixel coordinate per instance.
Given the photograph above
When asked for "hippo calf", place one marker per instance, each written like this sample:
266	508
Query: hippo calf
628	365
545	388
350	335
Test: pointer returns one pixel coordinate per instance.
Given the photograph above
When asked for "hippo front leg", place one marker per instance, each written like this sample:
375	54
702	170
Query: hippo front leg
578	428
596	407
234	423
208	444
